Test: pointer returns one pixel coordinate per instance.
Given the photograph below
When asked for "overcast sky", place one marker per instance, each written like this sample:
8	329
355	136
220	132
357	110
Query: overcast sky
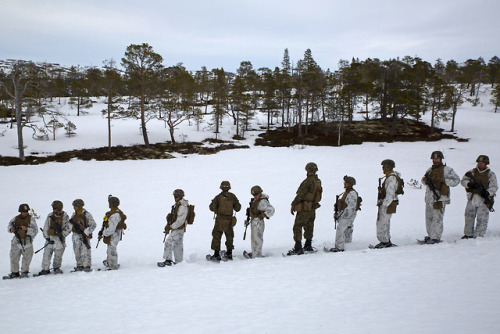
222	33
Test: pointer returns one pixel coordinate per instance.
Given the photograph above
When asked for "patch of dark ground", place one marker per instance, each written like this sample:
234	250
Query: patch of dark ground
136	152
358	132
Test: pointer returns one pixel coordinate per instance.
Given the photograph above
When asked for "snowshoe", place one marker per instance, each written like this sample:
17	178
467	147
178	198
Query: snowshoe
382	245
213	258
226	256
76	269
42	273
247	255
87	269
294	251
58	271
333	250
11	276
25	275
165	263
466	237
309	250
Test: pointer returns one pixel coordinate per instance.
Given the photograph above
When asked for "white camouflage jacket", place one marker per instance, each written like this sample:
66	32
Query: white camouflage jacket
66	230
476	199
265	207
451	179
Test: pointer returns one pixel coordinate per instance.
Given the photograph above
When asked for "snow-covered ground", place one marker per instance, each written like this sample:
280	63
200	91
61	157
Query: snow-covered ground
450	287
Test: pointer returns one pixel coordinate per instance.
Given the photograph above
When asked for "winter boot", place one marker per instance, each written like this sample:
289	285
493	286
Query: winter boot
467	237
87	269
58	271
336	250
105	262
165	263
308	247
297	249
216	257
25	274
11	275
43	272
79	268
229	255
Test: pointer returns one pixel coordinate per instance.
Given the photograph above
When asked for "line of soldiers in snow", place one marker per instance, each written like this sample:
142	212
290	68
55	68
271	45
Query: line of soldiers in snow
480	184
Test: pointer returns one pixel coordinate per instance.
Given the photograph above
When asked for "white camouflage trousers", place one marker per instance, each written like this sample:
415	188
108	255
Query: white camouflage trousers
343	233
15	255
383	224
47	256
112	257
434	221
478	214
257	237
83	255
175	245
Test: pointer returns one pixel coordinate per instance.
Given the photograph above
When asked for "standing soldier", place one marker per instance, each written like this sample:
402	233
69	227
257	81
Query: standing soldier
259	209
438	179
83	226
481	186
345	213
305	203
55	231
176	225
387	202
112	231
223	205
25	230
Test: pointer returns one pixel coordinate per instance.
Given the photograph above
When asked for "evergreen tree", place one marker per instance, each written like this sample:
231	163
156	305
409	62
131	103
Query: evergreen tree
143	67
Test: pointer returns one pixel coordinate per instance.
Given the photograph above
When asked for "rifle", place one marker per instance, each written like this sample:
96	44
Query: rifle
79	230
169	222
336	210
99	235
380	192
58	230
46	244
488	201
432	186
16	233
247	222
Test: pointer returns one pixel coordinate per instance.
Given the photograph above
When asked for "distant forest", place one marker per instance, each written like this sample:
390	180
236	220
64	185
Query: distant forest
291	96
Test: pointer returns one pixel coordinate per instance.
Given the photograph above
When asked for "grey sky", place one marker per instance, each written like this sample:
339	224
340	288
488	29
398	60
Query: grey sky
222	33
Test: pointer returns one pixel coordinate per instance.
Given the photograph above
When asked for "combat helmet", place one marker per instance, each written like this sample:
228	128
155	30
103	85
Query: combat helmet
483	158
57	205
350	180
256	190
113	201
437	155
225	185
78	203
178	193
388	163
24	207
311	167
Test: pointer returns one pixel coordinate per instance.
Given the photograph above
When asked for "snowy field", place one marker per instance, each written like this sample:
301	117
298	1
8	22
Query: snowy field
450	287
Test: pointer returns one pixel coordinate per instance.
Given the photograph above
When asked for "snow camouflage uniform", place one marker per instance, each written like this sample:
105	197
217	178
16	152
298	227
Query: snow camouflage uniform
305	204
475	208
443	177
83	255
114	224
347	214
55	220
387	205
175	240
16	250
224	221
259	209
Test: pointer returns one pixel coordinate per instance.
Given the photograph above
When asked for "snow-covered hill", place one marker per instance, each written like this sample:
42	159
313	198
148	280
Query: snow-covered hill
445	288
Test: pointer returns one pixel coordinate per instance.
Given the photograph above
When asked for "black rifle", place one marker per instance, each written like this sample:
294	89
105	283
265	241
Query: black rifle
336	210
46	244
99	235
16	233
432	186
380	192
247	221
169	222
488	201
79	230
58	230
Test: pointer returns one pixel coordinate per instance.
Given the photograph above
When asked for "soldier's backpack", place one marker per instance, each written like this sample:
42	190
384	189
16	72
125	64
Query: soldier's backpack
190	214
358	203
225	206
401	184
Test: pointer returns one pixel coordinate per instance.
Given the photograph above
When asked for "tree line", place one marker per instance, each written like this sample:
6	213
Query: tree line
292	96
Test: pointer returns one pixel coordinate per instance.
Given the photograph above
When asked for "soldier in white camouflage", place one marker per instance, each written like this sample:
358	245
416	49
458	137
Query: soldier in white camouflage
481	186
438	180
112	232
175	228
259	209
346	208
55	231
387	203
25	229
83	226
